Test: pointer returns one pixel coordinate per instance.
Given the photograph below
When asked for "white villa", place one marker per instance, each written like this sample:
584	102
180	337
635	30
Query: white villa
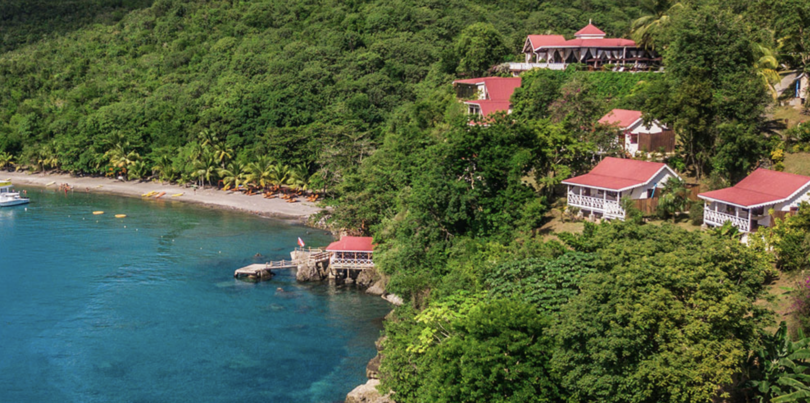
600	191
746	205
487	95
637	135
589	46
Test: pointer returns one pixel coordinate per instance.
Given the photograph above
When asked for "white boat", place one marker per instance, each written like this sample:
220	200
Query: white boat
9	197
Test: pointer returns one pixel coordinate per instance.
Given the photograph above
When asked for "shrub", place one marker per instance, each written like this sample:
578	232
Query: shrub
696	213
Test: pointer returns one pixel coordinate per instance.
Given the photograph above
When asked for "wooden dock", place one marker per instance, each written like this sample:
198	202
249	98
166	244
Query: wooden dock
264	270
261	271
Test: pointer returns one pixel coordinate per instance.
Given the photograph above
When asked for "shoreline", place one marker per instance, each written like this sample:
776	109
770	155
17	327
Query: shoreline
213	198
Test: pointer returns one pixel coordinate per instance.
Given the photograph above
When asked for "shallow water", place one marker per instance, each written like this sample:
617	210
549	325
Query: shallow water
145	308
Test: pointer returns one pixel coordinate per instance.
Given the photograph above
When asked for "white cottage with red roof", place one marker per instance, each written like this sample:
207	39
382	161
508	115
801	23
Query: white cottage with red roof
351	252
636	135
746	205
589	46
600	191
486	95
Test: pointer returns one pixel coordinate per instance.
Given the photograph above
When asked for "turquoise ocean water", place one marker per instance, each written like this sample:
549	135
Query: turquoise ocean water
145	309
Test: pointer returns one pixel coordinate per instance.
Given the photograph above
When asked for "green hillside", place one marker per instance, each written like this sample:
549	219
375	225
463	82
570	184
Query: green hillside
354	99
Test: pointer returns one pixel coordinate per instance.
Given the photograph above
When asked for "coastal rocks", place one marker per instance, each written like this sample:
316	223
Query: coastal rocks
368	393
394	299
376	289
366	278
307	271
373	367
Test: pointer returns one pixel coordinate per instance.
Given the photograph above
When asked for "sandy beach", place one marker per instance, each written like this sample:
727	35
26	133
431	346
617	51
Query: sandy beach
276	208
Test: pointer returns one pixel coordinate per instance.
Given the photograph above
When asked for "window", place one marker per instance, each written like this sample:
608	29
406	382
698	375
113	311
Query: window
650	193
633	138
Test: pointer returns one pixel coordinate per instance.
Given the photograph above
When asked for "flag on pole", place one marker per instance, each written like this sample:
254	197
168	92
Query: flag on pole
300	242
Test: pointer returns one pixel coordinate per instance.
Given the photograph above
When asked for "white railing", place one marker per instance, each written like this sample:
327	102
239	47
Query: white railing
717	218
530	66
350	263
610	208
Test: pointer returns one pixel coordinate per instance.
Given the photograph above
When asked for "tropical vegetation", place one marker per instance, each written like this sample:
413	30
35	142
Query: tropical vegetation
354	99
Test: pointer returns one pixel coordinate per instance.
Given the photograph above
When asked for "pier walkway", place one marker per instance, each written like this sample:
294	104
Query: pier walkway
265	270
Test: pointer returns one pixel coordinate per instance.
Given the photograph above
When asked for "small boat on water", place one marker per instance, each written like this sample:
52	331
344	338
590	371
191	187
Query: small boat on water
10	197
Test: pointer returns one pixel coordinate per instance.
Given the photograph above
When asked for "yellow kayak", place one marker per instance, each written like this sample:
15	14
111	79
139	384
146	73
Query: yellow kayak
150	194
98	212
120	216
177	194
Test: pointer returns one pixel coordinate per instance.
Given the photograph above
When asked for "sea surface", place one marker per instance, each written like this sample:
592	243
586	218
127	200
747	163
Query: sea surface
145	308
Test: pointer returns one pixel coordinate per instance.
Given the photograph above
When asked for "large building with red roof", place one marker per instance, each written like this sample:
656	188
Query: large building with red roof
600	191
486	95
589	46
746	205
636	136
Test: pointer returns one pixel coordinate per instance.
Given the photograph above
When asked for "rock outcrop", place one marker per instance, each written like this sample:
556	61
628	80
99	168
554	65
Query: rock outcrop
394	299
308	271
368	393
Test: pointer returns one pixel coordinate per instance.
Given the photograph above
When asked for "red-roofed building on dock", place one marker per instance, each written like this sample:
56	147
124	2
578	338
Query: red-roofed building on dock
636	135
589	46
486	95
746	205
600	191
352	253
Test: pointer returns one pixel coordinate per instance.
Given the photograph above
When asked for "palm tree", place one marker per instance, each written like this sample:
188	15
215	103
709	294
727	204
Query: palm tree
120	158
299	179
138	170
6	159
233	175
674	198
204	168
222	153
260	173
767	68
282	175
647	27
163	168
207	137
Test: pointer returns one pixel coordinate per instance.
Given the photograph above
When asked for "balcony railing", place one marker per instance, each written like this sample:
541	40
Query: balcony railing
351	263
529	66
717	218
608	208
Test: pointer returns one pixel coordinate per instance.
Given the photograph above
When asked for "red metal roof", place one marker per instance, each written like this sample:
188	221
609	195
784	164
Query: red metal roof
621	117
762	187
618	174
539	41
352	244
498	88
590	29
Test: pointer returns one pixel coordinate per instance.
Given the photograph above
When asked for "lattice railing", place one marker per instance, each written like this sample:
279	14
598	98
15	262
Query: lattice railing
717	218
359	263
610	208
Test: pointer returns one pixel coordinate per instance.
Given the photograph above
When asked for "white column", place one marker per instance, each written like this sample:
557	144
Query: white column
749	219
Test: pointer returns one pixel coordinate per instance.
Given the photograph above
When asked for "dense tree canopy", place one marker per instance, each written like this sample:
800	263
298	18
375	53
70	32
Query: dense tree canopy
354	98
